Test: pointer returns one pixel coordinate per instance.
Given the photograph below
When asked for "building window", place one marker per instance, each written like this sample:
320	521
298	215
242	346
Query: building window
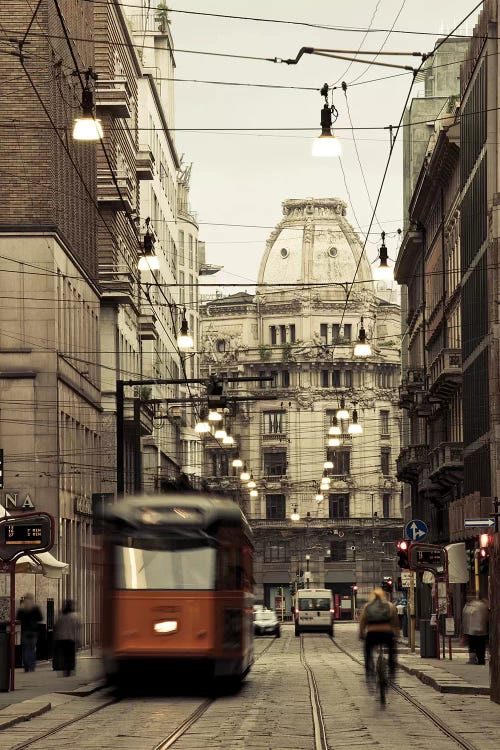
341	459
221	345
335	332
274	422
339	506
384	379
348	378
182	289
279	552
262	383
191	250
325	378
386	506
292	333
276	507
274	381
272	330
220	464
181	247
384	423
283	334
338	551
274	463
385	460
285	379
336	379
323	332
347	331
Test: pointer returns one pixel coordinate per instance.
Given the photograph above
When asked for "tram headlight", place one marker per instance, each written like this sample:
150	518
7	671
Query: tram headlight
168	626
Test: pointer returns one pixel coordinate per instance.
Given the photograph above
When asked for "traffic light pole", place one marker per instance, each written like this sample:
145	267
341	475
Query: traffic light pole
477	583
412	611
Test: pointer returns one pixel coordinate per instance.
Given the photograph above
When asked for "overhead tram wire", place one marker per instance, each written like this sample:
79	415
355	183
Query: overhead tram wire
386	169
342	76
287	22
134	272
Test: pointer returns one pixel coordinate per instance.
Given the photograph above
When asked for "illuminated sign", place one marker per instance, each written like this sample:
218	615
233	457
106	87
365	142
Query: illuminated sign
31	532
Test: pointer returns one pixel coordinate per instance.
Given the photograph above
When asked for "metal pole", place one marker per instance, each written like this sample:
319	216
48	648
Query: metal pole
476	573
412	610
373	545
120	439
308	557
12	624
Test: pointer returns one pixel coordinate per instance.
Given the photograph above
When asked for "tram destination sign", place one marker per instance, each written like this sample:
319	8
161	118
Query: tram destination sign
29	533
427	557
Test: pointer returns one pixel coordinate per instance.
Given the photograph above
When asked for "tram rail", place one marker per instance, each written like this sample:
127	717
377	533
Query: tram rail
164	744
439	723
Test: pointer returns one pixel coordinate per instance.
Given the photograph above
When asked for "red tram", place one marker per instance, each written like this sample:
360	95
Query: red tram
177	589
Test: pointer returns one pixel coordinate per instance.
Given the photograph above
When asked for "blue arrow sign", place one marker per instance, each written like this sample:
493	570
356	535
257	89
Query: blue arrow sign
472	523
416	531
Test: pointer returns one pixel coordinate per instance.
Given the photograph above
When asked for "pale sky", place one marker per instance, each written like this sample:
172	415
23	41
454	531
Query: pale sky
242	179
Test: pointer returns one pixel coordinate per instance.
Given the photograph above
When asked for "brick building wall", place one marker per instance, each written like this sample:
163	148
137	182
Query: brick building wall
42	189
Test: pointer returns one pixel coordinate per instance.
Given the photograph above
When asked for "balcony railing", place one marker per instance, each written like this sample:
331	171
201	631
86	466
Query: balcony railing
118	285
138	415
120	196
328	523
446	373
446	464
112	97
147	327
410	462
145	163
274	437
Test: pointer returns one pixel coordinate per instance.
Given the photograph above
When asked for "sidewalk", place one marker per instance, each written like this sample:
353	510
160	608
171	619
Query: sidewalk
445	675
35	685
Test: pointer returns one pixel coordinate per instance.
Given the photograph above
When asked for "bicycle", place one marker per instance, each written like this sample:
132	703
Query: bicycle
382	674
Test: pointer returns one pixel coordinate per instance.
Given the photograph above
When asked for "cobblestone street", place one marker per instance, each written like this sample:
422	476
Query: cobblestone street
273	710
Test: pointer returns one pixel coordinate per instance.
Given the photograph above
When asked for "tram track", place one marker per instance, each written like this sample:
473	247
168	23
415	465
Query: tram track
164	744
320	741
441	725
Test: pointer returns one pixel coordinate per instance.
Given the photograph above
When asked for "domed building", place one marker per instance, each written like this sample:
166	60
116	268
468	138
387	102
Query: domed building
326	508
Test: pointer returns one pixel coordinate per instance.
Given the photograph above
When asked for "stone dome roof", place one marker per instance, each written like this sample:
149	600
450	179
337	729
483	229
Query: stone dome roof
314	242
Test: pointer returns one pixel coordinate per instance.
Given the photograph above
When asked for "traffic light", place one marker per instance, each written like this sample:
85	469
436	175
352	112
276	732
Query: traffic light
355	587
403	561
484	560
387	584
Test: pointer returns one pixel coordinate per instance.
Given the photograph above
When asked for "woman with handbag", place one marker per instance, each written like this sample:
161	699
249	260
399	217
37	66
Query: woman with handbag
66	638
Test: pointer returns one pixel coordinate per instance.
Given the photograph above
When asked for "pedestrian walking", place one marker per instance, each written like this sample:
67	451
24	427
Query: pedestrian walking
401	610
66	639
29	615
475	618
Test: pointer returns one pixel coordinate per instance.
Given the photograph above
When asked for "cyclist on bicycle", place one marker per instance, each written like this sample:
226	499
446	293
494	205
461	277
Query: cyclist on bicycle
379	624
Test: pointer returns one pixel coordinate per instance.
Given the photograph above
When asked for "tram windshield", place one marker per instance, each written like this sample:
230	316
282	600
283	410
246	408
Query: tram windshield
154	564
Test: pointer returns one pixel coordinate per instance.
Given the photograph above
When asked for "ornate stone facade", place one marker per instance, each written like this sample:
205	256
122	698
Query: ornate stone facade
299	330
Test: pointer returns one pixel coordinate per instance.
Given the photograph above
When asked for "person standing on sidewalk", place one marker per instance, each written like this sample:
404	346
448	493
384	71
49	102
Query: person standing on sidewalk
66	639
29	615
475	618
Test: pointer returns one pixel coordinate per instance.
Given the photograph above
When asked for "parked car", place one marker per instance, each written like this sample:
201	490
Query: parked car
266	623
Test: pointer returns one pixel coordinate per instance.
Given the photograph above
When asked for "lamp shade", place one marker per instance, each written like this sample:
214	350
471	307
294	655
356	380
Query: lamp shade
383	272
87	129
148	263
333	443
326	146
220	434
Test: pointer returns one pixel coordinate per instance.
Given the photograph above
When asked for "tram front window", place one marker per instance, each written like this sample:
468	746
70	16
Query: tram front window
143	566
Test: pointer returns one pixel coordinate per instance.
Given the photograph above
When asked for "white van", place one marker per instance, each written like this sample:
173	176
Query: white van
314	611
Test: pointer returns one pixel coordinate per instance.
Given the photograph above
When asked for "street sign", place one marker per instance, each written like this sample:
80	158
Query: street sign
408	579
20	535
476	523
427	557
416	530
